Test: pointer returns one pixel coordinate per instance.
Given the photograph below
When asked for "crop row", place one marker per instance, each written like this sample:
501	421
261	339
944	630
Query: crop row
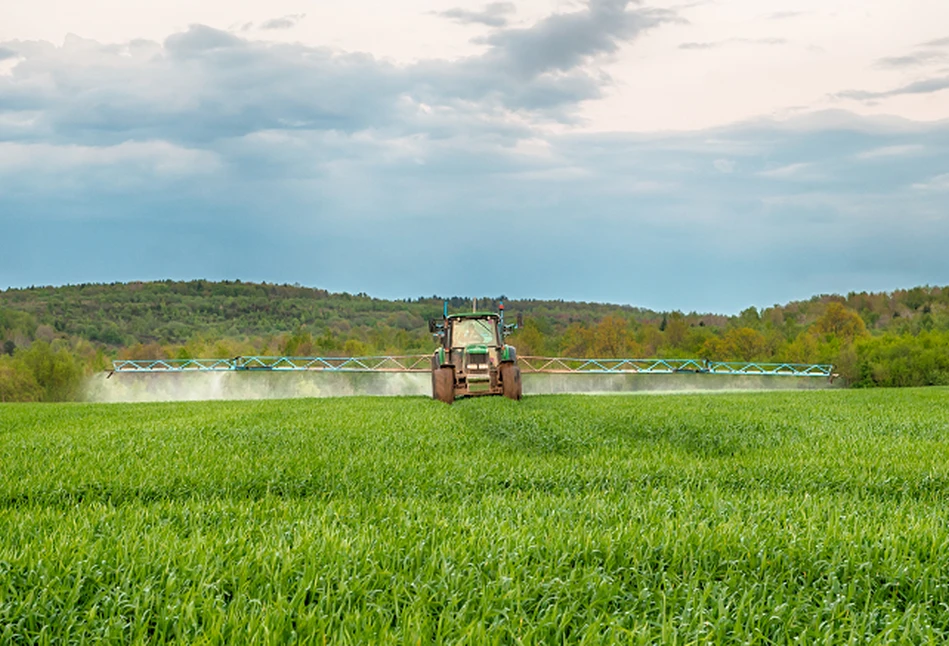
753	518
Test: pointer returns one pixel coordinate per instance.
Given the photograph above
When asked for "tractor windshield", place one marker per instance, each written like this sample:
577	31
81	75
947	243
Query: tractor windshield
473	331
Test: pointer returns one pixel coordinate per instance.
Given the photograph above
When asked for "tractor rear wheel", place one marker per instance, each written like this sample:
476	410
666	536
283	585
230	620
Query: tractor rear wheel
511	380
443	384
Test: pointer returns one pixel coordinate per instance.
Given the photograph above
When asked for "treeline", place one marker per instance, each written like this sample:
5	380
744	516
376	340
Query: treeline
174	313
51	336
911	353
41	373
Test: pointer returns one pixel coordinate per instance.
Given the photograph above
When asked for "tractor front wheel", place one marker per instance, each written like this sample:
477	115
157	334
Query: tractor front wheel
443	384
511	380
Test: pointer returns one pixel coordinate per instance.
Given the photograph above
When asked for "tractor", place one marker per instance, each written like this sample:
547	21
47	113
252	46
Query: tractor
473	359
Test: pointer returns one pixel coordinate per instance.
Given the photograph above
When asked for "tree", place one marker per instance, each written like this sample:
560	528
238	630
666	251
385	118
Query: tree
715	349
749	318
745	344
356	348
676	330
17	383
529	340
611	339
840	322
299	344
55	370
802	350
577	341
904	360
650	339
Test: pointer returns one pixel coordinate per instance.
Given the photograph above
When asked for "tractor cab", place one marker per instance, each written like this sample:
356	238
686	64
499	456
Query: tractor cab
469	331
473	358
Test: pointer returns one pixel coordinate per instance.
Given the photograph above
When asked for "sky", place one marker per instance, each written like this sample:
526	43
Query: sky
700	156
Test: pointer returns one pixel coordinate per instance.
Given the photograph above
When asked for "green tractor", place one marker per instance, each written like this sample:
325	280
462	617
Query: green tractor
473	359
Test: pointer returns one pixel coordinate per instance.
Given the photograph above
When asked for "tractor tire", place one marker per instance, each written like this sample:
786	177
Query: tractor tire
511	380
443	384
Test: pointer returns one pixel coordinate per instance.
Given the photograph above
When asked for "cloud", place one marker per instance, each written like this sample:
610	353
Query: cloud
204	84
925	54
927	86
8	63
910	60
844	120
494	14
795	171
158	156
285	22
891	151
198	40
199	85
73	182
562	42
700	45
731	41
6	53
939	183
784	15
214	155
323	198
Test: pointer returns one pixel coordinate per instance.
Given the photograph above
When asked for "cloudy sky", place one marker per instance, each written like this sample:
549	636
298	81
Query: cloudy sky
704	155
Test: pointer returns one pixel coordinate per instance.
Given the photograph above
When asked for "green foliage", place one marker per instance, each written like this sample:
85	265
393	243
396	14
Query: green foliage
530	340
17	382
203	319
840	323
14	322
173	313
676	330
902	360
298	344
54	369
749	318
745	344
611	338
730	519
802	350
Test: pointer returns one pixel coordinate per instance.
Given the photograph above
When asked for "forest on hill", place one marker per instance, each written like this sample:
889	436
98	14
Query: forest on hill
50	337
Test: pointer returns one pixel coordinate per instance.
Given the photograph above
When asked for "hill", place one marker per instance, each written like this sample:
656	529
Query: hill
887	338
168	312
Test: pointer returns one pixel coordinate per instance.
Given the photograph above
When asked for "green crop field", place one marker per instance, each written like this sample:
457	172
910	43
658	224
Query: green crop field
799	517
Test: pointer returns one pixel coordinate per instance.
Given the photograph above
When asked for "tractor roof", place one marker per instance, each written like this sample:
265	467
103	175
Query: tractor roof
475	315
